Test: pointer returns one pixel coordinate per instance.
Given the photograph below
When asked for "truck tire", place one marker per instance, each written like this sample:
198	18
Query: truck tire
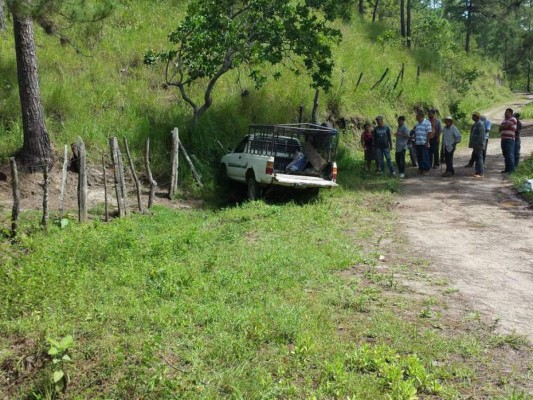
254	190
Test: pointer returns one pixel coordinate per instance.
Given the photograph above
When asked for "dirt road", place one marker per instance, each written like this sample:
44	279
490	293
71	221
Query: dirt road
477	233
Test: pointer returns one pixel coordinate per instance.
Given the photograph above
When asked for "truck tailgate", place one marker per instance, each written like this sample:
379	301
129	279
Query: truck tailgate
300	181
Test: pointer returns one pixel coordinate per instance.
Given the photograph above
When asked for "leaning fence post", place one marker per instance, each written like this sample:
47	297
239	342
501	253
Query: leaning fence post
194	172
135	178
174	163
153	183
106	207
44	220
120	186
16	196
82	182
63	183
358	81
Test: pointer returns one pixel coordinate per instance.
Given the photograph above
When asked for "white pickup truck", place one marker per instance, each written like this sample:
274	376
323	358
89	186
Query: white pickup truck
300	156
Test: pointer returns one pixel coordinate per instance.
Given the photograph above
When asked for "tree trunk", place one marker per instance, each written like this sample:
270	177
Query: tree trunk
468	25
402	18
36	149
375	12
2	16
408	24
361	9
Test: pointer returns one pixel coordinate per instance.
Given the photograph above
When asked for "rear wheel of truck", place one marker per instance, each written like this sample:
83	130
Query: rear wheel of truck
254	190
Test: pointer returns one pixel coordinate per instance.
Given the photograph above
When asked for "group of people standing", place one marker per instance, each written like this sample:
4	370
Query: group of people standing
431	142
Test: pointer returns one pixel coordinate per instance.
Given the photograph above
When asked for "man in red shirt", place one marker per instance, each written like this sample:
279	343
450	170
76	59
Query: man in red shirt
507	134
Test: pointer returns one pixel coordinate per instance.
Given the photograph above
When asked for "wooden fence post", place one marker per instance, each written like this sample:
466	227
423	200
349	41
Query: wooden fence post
300	113
380	79
153	183
358	81
403	71
418	74
174	163
106	208
82	182
135	178
44	220
120	184
63	183
16	197
194	172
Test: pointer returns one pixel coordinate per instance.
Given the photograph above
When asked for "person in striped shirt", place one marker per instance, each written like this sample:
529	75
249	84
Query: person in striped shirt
507	134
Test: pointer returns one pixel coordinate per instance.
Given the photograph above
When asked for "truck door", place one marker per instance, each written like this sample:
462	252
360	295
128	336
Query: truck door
238	162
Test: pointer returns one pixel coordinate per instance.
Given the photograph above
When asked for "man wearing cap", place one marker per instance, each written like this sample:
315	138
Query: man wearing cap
383	144
488	125
434	139
477	143
422	131
507	134
450	137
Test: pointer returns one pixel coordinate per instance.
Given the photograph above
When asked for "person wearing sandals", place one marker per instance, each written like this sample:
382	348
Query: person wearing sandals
450	138
477	143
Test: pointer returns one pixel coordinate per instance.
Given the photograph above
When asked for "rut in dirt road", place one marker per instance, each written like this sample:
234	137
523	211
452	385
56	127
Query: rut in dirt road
477	234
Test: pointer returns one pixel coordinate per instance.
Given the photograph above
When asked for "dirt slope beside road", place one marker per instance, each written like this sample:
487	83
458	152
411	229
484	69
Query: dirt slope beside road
477	233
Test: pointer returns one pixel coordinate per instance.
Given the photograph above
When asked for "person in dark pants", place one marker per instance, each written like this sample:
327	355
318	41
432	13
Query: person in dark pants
422	131
434	139
450	138
477	143
383	145
402	138
507	134
367	142
517	141
488	125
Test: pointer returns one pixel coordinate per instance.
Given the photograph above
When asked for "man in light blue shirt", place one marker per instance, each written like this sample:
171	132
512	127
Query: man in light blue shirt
422	131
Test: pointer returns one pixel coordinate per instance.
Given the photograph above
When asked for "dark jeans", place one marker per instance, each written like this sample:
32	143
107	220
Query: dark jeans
517	147
422	156
433	153
448	158
380	153
478	160
400	161
508	149
471	162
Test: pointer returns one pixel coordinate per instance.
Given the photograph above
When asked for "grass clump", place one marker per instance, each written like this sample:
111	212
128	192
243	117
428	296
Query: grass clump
523	173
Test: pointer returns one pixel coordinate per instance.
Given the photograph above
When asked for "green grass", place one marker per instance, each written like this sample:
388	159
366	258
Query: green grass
522	174
244	302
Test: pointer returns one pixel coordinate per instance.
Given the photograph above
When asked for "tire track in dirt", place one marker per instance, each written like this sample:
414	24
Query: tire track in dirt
477	233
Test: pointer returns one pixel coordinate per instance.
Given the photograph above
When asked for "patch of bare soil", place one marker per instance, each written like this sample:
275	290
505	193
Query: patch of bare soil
477	233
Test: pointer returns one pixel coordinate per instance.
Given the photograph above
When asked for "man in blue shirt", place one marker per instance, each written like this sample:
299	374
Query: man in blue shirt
422	131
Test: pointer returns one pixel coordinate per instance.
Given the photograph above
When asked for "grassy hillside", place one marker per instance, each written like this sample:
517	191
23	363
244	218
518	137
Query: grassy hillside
106	90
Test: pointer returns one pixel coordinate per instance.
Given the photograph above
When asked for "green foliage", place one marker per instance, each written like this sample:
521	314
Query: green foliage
522	174
216	37
58	352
